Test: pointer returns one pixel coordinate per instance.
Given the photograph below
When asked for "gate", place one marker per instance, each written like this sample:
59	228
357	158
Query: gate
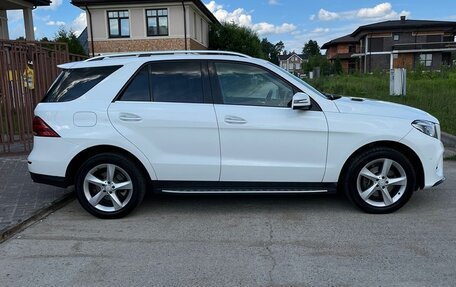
27	69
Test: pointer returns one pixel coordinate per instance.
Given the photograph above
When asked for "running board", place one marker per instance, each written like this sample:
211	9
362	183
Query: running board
222	191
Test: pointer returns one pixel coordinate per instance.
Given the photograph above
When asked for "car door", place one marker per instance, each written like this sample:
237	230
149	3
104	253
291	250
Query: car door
165	111
262	139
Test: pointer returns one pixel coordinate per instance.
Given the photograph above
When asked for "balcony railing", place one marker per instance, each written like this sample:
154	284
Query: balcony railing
425	46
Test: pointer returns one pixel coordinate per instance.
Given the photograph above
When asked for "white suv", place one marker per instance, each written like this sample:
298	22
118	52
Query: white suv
221	122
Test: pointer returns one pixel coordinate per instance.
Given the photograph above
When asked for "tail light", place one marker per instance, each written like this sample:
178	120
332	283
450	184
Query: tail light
41	129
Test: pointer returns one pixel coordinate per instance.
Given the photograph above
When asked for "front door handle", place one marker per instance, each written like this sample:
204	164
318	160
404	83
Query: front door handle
126	117
235	120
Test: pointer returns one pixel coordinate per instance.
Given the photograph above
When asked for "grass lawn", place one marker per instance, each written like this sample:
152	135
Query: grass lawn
432	92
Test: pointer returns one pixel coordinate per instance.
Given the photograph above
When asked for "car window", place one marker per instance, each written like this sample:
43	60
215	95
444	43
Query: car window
243	84
73	83
138	89
179	82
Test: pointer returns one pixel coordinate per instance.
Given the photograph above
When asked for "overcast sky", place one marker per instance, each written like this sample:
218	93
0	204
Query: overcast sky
292	21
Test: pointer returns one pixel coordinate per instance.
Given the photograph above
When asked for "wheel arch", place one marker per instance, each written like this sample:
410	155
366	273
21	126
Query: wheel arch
82	156
405	150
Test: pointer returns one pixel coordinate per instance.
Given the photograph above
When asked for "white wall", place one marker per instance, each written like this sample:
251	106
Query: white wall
138	28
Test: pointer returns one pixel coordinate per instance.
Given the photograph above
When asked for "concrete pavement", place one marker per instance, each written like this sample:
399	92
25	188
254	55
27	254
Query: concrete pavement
255	240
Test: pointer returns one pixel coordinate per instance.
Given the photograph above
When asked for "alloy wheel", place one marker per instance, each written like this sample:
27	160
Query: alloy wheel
108	188
381	182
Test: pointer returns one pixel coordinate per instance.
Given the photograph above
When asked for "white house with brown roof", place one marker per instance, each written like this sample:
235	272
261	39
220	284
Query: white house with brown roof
292	62
146	25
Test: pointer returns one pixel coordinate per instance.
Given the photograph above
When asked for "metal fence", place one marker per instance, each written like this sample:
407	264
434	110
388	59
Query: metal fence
27	69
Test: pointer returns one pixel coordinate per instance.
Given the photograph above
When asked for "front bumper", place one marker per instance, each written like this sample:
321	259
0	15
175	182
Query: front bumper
430	152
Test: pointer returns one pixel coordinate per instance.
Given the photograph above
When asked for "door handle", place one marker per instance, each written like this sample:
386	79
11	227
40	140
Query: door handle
235	120
126	117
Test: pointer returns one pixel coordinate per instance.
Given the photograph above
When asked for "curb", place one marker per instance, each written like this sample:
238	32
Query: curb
8	232
449	140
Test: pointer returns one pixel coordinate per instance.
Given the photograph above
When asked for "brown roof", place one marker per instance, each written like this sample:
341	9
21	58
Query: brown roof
287	56
198	3
342	40
387	26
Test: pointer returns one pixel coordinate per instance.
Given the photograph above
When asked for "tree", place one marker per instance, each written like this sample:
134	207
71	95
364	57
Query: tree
337	67
232	37
271	51
311	48
69	37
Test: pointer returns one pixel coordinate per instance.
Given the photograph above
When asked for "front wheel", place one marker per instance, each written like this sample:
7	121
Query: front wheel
380	180
110	185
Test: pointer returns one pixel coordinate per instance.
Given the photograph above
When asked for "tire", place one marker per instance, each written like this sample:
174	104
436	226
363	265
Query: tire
110	185
380	180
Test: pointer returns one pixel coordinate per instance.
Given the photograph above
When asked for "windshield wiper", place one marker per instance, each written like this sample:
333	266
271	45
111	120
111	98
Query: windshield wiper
332	96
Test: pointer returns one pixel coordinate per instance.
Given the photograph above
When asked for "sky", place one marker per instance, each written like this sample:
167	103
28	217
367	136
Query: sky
292	21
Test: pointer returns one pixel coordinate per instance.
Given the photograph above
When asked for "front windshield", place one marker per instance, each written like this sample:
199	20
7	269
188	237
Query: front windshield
301	81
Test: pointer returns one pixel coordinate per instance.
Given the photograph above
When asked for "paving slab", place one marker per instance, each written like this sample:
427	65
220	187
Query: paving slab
21	198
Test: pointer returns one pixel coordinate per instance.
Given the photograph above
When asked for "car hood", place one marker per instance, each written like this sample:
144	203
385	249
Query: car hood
379	108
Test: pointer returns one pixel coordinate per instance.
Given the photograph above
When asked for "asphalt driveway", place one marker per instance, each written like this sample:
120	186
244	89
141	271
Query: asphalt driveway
254	240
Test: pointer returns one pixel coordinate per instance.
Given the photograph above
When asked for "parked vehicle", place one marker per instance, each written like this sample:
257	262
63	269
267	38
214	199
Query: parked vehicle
221	122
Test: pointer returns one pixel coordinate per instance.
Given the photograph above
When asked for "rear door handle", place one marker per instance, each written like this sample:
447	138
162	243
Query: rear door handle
126	117
235	120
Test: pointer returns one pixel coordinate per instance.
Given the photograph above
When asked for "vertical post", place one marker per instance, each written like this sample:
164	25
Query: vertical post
28	23
391	61
4	34
366	49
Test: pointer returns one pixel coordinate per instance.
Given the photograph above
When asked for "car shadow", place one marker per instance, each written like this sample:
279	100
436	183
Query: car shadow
221	203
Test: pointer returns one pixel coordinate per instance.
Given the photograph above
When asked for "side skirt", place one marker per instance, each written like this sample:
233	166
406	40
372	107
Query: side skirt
203	187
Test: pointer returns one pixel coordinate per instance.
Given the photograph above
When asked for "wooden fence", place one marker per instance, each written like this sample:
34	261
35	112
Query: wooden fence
27	69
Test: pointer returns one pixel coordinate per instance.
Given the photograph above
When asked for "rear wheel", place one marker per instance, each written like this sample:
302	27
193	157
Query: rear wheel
110	185
380	180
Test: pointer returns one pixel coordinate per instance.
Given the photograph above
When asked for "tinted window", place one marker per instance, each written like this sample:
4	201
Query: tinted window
242	84
138	89
177	82
376	44
71	84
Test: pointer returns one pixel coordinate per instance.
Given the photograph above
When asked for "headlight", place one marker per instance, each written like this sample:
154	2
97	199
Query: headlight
426	127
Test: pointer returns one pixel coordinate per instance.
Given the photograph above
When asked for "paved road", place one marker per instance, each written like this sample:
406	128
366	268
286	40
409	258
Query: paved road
242	241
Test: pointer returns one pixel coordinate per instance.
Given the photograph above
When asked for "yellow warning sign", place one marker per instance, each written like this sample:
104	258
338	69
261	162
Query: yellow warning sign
29	78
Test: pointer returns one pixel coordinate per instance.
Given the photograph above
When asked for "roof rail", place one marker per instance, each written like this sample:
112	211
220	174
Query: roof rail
163	53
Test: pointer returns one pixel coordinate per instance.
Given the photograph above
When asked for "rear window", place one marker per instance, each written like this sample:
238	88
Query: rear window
71	84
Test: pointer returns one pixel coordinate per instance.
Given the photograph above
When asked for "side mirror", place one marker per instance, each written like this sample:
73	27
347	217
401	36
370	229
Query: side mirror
301	101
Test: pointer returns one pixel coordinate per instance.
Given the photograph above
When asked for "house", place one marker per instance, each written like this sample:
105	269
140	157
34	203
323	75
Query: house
293	62
27	7
343	48
397	44
146	25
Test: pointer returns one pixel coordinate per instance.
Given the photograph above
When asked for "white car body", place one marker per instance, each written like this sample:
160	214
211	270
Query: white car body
227	143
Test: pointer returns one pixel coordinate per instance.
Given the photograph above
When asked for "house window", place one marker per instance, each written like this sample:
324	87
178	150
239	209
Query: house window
376	45
118	24
396	37
426	60
157	22
433	38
